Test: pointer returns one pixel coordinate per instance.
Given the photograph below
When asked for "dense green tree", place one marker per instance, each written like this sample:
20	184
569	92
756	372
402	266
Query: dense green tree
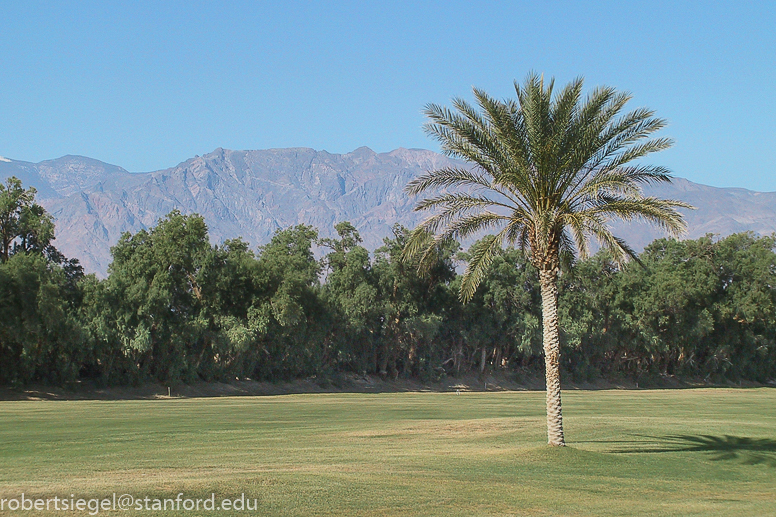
413	302
744	344
287	312
589	320
227	281
667	306
40	338
24	224
697	305
549	170
501	321
173	307
107	360
154	277
350	294
39	294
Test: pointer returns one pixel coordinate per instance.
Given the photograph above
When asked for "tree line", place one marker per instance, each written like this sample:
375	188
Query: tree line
175	308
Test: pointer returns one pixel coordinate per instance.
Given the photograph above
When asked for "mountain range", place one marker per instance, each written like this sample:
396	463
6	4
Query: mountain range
251	194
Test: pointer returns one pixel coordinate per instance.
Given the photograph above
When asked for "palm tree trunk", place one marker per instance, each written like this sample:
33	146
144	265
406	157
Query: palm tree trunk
548	279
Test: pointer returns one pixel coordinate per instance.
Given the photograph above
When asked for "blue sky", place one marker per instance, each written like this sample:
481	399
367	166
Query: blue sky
146	85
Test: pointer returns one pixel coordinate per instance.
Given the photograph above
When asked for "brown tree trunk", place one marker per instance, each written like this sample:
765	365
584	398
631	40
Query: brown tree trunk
548	279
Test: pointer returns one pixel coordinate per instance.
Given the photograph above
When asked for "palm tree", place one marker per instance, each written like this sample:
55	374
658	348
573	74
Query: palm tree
549	172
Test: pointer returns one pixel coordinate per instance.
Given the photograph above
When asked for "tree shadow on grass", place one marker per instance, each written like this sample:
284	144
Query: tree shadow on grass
747	451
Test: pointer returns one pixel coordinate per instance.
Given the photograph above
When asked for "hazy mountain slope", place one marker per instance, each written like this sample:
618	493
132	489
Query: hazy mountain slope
253	193
29	174
719	211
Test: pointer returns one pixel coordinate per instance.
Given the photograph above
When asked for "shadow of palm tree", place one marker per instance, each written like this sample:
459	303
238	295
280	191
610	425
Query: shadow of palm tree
750	451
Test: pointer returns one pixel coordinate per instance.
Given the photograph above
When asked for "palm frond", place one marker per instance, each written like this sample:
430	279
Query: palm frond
469	225
619	134
634	152
660	212
459	202
577	229
623	180
445	178
481	259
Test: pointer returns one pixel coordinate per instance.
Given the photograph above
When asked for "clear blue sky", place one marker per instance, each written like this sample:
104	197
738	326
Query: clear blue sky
146	85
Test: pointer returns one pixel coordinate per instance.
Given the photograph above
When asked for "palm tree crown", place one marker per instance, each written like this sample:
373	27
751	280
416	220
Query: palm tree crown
550	170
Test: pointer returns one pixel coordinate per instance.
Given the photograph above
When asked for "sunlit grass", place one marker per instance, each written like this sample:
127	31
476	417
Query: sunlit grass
681	452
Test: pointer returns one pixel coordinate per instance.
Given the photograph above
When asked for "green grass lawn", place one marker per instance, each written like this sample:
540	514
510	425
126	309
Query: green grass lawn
664	452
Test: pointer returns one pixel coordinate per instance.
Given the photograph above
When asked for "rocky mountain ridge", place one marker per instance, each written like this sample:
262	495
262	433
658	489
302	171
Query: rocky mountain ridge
251	194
